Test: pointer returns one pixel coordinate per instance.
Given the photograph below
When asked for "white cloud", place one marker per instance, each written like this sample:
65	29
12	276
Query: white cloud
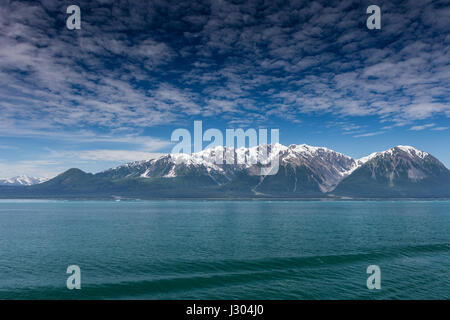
440	128
422	127
369	134
232	54
108	155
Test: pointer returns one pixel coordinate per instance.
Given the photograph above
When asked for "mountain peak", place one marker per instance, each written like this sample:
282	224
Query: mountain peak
74	171
405	147
412	151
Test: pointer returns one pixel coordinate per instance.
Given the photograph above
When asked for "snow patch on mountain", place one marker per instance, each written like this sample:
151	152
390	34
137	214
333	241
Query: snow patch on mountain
328	167
413	151
22	180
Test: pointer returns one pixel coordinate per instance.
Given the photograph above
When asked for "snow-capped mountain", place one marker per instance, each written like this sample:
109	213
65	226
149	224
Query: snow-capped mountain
303	171
401	170
324	167
22	180
404	161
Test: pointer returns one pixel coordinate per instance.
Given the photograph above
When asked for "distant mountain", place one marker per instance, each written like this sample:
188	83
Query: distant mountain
402	171
304	171
22	180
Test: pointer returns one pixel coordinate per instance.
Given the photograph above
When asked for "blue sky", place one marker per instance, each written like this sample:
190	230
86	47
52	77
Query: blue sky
114	91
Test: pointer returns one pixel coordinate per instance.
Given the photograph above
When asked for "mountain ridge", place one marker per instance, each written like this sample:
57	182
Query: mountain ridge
304	171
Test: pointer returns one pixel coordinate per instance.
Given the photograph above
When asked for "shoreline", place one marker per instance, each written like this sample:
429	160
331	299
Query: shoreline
227	199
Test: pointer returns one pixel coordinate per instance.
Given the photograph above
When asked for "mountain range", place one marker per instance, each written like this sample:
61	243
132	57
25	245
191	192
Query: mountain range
304	172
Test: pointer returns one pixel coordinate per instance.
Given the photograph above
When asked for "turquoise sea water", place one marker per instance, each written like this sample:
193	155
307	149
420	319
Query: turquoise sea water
224	249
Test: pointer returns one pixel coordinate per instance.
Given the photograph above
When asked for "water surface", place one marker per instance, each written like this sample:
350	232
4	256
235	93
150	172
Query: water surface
224	249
